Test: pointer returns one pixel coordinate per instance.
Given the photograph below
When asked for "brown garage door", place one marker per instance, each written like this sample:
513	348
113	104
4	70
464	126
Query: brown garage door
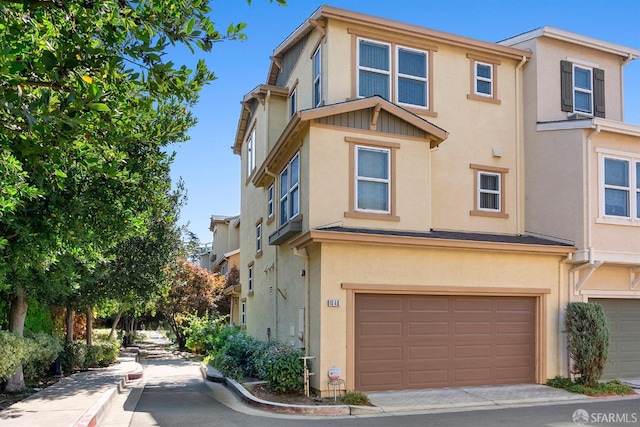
624	338
421	341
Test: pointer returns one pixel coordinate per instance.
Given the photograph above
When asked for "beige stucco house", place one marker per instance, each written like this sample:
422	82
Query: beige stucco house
225	254
582	168
387	223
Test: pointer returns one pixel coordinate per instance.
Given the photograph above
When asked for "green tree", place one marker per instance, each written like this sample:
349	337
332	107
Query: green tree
88	99
587	340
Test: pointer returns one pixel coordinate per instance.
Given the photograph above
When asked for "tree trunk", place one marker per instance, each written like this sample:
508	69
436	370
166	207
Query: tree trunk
89	314
115	324
17	314
70	315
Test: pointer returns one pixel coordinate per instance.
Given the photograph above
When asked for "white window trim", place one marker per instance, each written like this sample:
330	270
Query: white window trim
259	237
483	79
251	152
270	196
633	159
358	178
250	279
243	312
373	70
290	189
577	89
425	80
293	102
317	79
481	191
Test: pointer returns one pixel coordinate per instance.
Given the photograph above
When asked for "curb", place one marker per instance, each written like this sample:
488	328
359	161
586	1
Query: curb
212	375
96	412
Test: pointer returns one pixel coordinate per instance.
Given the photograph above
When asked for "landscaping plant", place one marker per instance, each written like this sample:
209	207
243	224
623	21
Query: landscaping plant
587	340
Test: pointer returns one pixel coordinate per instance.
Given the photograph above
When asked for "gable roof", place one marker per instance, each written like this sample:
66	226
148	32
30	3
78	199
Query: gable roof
319	17
578	39
433	134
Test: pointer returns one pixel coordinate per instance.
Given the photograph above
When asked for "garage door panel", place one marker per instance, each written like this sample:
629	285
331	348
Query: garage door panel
428	328
430	353
390	304
381	329
433	305
472	328
445	341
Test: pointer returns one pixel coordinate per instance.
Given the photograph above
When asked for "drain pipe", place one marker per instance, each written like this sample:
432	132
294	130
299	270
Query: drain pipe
305	337
519	142
588	195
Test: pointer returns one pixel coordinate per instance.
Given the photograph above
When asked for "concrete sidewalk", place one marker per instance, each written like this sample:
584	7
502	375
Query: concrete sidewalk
78	400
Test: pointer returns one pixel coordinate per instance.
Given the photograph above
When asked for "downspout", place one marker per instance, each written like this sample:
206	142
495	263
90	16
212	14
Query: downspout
275	264
589	243
305	333
519	143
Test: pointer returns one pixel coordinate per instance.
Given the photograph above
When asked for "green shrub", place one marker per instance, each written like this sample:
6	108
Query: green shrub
598	389
235	358
587	340
73	356
110	352
38	318
356	398
201	333
280	365
14	351
43	350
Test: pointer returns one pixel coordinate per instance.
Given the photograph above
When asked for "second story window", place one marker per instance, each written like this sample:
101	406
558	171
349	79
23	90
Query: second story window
373	179
290	190
489	190
250	278
317	77
259	237
489	182
621	187
251	153
270	209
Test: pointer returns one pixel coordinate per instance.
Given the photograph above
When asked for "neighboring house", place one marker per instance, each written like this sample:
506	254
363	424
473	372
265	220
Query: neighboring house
582	168
383	210
203	256
225	254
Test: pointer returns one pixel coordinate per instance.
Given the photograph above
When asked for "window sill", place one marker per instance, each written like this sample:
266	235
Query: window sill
420	111
250	293
372	215
489	99
270	219
627	222
489	214
259	253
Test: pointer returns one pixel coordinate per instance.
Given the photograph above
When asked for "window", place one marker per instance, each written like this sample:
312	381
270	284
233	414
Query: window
374	69
622	187
293	107
224	268
412	77
409	78
250	279
290	190
489	191
259	237
582	89
251	153
373	179
317	77
484	79
270	209
243	312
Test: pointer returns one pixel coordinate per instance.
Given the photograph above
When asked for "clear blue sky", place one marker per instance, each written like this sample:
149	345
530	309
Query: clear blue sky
206	163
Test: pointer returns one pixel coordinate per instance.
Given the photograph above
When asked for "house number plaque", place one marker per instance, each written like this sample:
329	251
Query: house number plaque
333	303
